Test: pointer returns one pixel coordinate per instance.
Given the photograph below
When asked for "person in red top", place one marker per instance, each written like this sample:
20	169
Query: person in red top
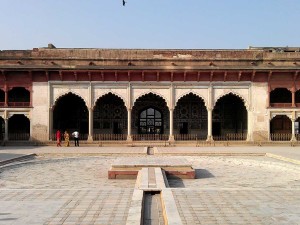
58	138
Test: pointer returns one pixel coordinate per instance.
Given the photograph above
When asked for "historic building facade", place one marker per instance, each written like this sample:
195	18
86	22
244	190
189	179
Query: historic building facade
129	94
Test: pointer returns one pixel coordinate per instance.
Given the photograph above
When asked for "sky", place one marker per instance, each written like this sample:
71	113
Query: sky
144	24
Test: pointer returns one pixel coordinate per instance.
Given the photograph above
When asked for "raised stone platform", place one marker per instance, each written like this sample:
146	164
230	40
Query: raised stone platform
129	168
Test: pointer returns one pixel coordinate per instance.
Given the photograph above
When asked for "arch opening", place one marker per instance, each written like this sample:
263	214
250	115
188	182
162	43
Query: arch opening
2	128
2	97
150	116
18	127
280	97
297	98
70	113
18	97
229	119
190	118
280	128
110	117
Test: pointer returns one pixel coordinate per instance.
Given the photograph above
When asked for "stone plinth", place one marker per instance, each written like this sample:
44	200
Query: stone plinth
129	168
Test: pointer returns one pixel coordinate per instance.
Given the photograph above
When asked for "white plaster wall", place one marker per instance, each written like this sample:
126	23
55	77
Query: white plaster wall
260	115
40	112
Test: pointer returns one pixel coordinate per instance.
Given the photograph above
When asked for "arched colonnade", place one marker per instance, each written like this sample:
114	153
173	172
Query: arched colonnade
151	117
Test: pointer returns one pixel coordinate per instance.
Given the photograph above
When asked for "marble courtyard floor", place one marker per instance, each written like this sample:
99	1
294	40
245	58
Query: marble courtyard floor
74	189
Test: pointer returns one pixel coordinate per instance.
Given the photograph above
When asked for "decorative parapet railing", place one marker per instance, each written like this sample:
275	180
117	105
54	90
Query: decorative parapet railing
280	137
18	104
109	137
2	104
18	136
231	137
281	105
153	137
189	137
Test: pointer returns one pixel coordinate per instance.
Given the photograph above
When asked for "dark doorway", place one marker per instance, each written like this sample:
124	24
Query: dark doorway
150	122
281	95
18	127
150	115
2	128
216	129
281	128
116	129
184	128
2	98
230	118
18	96
70	113
190	116
110	115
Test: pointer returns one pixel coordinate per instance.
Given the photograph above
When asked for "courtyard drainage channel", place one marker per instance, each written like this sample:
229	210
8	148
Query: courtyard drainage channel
152	201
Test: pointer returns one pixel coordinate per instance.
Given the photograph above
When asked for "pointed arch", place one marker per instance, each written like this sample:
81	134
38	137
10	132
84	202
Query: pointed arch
110	115
280	128
190	92
230	118
66	93
150	101
70	112
18	127
232	93
150	92
96	99
190	116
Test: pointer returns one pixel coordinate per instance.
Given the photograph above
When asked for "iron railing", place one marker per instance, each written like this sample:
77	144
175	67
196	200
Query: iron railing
231	137
153	137
2	104
189	137
81	136
280	136
109	137
18	136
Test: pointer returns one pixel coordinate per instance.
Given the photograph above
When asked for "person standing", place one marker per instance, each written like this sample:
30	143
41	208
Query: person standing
75	134
67	139
58	138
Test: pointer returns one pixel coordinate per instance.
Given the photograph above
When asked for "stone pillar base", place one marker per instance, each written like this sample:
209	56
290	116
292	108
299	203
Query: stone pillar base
293	138
249	137
129	138
171	138
209	138
90	138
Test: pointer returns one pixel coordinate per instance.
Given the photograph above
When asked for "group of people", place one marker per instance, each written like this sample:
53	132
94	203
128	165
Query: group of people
66	136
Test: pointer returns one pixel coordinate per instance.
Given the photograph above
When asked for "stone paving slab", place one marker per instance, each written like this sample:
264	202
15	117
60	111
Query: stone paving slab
285	151
261	188
259	206
45	150
102	206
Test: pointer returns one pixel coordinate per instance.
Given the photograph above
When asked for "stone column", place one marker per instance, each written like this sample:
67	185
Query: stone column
91	119
50	123
209	125
6	98
249	125
171	137
6	129
129	137
293	130
293	98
